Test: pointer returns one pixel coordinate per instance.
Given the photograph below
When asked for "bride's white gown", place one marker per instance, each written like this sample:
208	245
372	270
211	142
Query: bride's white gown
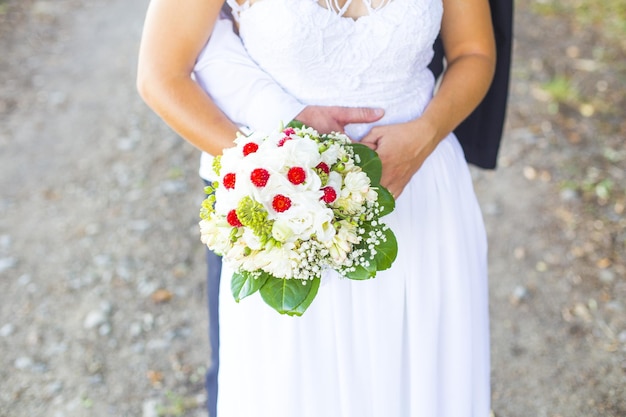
414	341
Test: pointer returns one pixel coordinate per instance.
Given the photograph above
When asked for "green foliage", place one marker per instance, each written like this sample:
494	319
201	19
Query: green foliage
244	284
301	308
609	14
369	162
362	272
387	251
385	201
561	89
295	124
289	296
252	214
177	405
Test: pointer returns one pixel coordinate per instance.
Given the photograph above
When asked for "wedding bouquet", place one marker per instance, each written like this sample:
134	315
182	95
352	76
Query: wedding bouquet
291	204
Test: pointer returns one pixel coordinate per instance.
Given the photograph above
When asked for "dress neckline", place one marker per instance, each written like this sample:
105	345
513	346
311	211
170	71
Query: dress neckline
332	8
340	10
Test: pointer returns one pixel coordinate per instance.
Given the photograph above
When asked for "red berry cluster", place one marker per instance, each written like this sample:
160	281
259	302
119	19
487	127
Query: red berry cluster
288	132
232	219
249	148
229	180
330	195
281	203
259	177
323	167
296	175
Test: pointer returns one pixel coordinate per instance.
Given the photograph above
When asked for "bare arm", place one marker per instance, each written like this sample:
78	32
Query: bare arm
174	34
470	52
467	35
249	96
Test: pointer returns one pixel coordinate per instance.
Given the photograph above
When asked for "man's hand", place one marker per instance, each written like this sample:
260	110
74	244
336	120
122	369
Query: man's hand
327	119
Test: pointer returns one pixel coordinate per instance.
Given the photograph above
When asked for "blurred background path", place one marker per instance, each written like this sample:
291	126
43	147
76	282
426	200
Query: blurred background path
101	269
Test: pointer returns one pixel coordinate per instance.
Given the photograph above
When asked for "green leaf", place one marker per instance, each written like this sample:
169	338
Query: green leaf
361	273
387	251
298	311
243	284
369	162
296	124
385	200
285	295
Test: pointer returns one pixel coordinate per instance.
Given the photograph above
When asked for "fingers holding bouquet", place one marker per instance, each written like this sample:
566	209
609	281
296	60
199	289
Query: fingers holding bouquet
402	148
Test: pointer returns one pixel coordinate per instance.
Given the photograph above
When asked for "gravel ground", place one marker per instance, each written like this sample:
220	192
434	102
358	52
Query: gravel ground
102	304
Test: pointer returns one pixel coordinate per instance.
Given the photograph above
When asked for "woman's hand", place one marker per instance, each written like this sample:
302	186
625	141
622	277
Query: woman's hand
468	40
402	148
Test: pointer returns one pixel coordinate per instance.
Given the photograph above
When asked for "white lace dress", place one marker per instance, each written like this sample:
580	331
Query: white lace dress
414	341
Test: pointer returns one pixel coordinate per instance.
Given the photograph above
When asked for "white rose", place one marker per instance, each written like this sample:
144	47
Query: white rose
280	259
338	255
346	231
371	195
331	155
357	182
281	230
256	260
236	255
308	216
225	201
215	233
301	152
250	239
341	243
300	221
335	180
351	203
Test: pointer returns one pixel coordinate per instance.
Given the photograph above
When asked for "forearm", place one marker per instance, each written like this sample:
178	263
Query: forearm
469	45
187	109
173	36
463	86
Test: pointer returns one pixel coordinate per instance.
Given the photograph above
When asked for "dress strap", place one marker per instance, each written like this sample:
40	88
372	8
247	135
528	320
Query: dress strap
370	8
334	6
237	8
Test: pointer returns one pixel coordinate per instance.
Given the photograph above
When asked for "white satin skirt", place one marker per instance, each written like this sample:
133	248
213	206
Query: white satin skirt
412	342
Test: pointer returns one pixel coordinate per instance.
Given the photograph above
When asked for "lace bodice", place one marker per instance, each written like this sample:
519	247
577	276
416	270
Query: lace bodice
323	57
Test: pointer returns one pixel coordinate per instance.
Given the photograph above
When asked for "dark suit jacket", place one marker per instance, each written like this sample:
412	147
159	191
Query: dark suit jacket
481	132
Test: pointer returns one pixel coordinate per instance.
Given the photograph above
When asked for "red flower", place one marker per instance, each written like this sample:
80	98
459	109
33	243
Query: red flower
232	219
249	148
330	195
296	175
283	140
323	167
229	180
259	177
288	132
281	203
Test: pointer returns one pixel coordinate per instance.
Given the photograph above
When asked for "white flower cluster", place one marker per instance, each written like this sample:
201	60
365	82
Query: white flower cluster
291	204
